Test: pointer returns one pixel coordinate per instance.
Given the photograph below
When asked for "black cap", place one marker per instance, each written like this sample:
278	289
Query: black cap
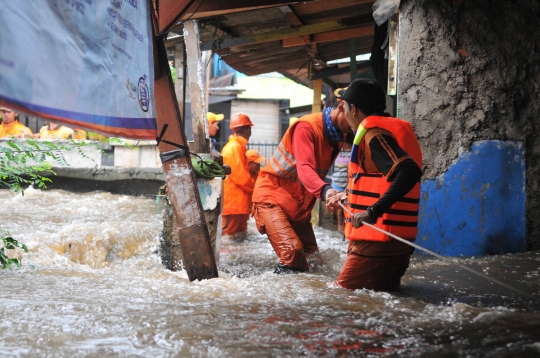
367	95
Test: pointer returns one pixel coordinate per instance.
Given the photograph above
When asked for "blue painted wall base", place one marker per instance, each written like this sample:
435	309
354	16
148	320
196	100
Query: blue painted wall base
478	206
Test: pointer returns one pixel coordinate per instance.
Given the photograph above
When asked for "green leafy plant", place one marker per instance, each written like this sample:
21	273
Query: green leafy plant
26	162
10	244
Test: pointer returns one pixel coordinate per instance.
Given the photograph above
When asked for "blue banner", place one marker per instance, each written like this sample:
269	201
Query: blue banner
84	63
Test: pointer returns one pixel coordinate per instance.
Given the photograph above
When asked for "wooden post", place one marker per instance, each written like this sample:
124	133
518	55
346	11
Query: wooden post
393	37
207	72
352	54
316	107
317	92
196	247
196	87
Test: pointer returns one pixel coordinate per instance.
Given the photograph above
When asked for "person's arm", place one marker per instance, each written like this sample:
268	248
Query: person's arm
303	147
399	168
239	171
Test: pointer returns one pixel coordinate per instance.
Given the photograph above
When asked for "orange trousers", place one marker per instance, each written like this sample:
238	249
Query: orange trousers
233	224
291	241
372	273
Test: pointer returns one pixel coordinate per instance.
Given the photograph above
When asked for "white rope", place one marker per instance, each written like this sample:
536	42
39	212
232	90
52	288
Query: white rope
500	283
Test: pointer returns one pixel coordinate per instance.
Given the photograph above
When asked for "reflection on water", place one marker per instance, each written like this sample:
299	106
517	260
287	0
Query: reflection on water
92	285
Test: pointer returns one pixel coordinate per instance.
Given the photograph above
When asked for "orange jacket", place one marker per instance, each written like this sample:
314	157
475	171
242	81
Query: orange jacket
365	189
278	181
59	133
15	128
238	185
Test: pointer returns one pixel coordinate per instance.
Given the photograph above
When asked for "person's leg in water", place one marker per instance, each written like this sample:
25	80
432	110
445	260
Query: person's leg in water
291	243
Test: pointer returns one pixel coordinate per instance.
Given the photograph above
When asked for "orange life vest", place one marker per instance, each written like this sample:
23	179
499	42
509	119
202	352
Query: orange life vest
365	189
278	181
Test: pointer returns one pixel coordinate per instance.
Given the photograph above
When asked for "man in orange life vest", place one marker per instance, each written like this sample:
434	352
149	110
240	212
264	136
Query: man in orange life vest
383	189
238	186
291	182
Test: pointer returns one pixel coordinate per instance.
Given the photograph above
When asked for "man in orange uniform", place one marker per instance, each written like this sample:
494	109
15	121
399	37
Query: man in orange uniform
11	127
383	189
238	186
291	182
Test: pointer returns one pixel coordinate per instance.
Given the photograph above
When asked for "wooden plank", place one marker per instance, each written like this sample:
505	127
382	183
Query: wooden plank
306	30
195	243
196	87
302	9
330	36
211	8
343	34
170	11
296	41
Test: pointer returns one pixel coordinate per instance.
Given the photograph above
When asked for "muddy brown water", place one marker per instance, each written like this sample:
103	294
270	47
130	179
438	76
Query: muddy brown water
93	285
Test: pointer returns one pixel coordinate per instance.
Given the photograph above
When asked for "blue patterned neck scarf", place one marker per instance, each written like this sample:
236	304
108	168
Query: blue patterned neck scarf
335	134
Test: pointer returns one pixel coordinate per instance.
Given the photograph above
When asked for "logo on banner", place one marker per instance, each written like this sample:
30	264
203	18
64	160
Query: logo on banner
143	94
132	89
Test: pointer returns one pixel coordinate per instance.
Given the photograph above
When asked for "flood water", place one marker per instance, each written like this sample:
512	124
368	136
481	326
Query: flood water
92	285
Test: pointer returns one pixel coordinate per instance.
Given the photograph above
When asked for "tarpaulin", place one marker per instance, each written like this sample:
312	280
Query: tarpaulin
84	63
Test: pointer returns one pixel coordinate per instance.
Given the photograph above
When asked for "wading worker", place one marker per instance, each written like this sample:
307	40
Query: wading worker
291	182
383	189
238	186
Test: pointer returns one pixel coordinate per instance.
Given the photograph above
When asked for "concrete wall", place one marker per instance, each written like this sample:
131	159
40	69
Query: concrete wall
469	81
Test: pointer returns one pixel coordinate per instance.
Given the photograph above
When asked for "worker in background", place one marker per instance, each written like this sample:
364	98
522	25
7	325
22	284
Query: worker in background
11	127
292	181
55	131
383	189
213	126
79	134
238	186
173	71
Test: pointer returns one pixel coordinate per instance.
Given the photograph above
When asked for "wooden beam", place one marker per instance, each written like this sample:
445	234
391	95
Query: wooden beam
196	87
302	8
291	15
196	247
307	30
211	8
338	71
296	41
169	11
352	56
329	36
343	34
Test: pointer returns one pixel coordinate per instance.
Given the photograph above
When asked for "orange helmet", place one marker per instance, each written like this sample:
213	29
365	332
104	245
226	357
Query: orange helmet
240	120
